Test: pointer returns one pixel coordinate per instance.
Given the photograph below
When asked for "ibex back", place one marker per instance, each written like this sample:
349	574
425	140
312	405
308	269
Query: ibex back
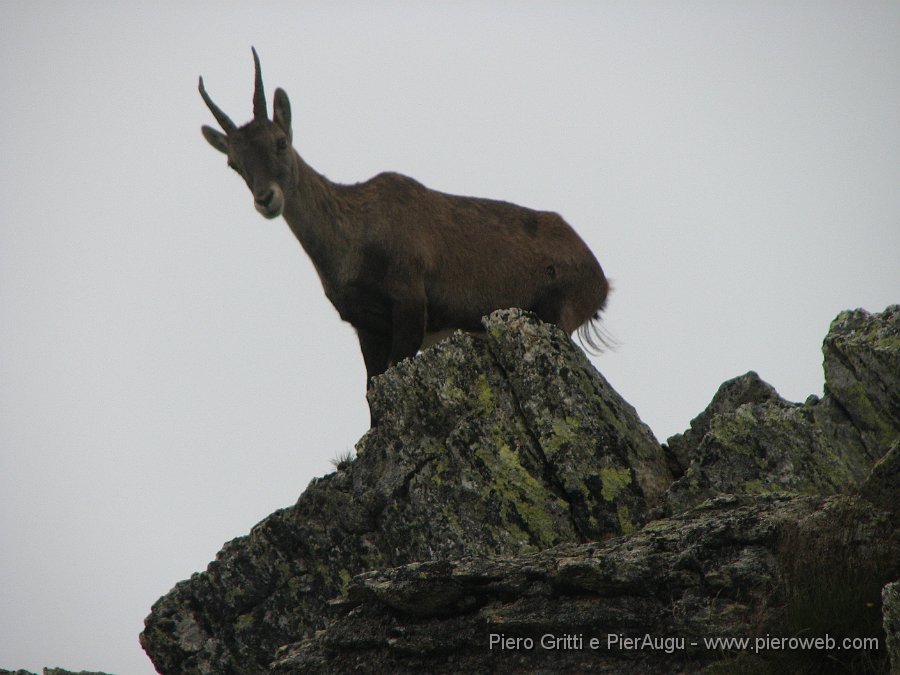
399	260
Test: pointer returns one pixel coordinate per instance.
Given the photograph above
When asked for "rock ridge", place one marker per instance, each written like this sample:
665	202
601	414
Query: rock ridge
497	446
508	490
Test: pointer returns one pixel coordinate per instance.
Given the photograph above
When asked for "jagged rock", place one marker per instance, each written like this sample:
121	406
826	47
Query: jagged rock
719	570
862	373
748	388
750	440
500	446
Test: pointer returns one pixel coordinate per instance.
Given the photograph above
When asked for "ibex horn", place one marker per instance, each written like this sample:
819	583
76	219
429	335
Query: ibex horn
224	121
259	96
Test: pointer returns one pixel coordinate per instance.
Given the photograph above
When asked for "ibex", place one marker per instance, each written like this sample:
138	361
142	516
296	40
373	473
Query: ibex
399	260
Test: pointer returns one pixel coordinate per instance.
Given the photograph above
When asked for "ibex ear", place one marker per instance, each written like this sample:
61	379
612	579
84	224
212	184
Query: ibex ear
283	111
215	138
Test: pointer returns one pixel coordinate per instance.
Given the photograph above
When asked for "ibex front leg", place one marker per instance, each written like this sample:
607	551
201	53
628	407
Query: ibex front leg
408	328
376	351
380	351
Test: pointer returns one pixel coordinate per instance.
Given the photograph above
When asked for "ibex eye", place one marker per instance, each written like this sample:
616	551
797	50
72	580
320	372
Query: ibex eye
281	144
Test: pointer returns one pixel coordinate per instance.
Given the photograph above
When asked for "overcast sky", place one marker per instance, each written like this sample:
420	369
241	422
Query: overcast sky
170	369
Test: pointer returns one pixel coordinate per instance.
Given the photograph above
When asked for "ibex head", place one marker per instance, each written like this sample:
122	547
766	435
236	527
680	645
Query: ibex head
260	151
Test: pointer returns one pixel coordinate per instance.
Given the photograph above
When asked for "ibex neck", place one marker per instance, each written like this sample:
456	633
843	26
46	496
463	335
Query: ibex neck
314	212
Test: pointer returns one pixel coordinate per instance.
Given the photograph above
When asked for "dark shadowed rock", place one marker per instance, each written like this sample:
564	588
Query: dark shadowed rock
882	487
497	446
718	570
890	598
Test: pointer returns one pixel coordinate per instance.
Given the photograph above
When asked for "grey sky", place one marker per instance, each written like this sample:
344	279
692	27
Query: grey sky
170	370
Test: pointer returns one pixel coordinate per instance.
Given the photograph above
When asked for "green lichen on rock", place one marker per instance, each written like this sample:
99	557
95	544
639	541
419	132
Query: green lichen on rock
754	487
528	497
563	432
345	576
485	395
626	526
614	481
244	621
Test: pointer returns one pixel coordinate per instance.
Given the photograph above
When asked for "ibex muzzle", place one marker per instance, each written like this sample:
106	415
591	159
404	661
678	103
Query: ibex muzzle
398	260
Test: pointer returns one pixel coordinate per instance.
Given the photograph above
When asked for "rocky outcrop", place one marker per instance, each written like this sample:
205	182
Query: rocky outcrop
508	493
750	440
497	446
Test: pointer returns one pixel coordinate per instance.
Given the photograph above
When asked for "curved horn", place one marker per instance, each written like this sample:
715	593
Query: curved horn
224	121
259	96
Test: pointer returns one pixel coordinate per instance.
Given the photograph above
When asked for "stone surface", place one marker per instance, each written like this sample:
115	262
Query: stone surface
496	446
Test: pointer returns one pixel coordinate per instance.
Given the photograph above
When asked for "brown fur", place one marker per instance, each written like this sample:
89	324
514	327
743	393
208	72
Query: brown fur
397	259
